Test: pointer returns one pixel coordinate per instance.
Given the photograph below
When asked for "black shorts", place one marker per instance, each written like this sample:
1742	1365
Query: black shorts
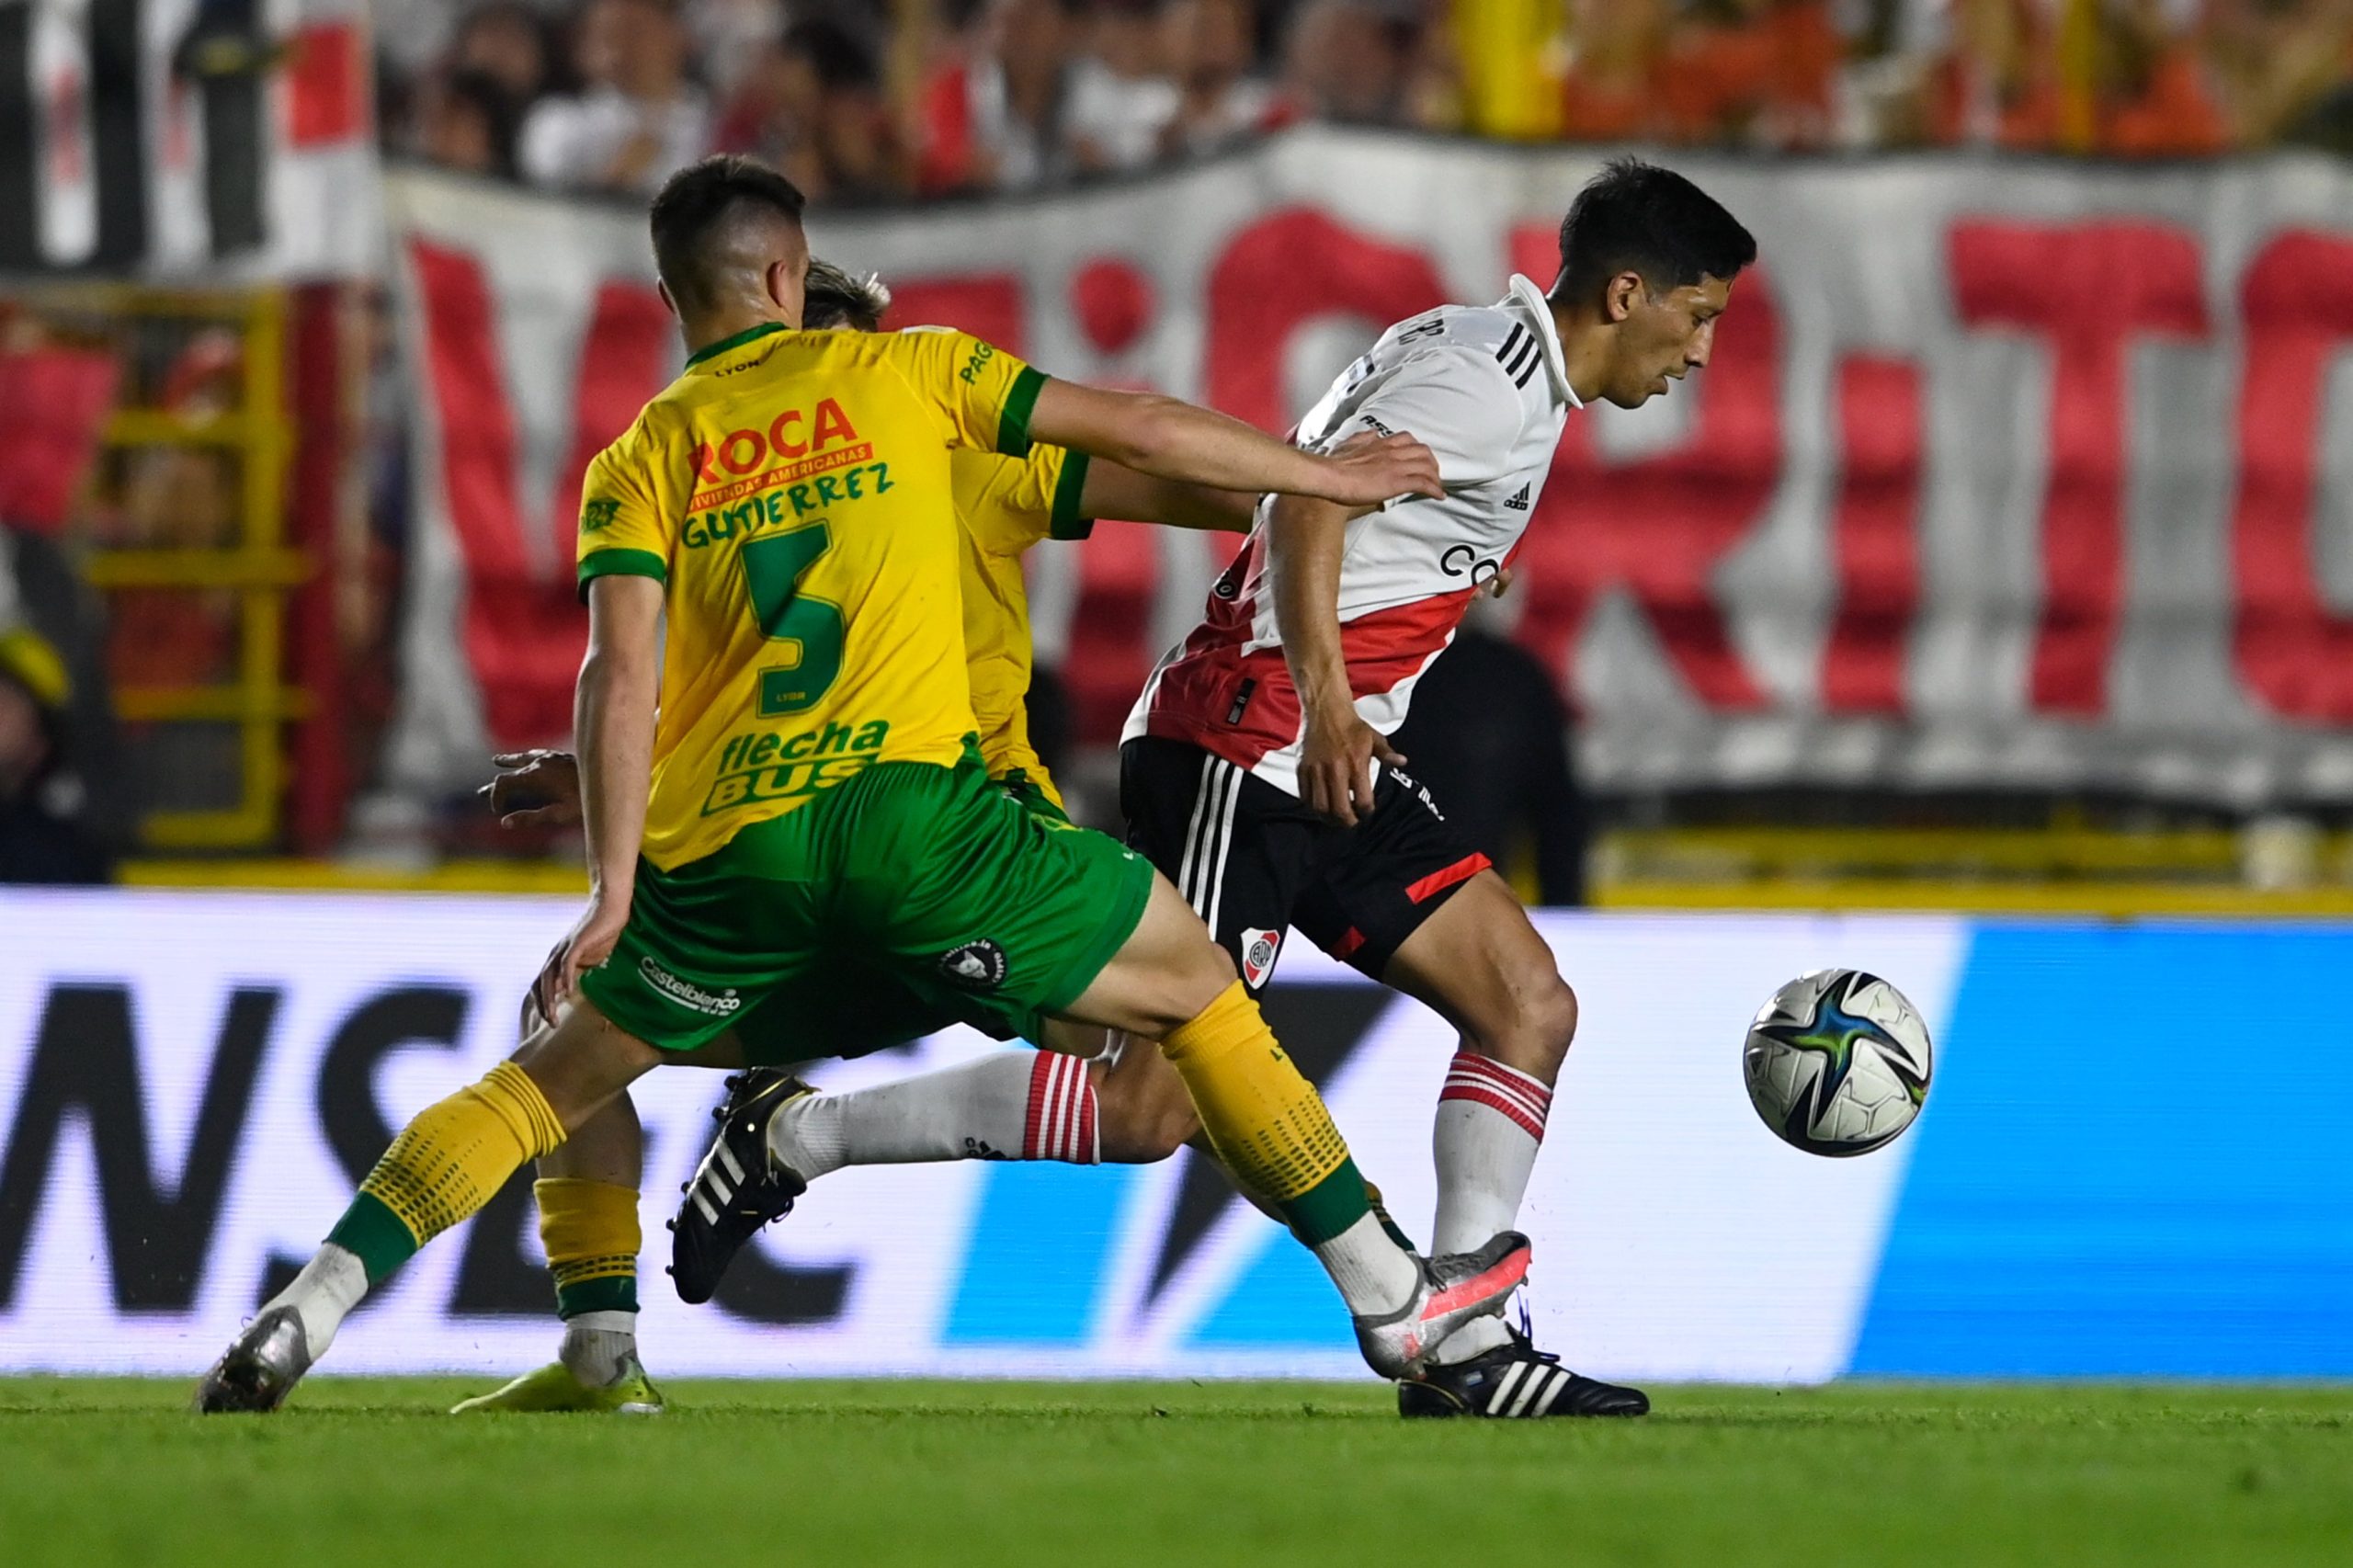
1254	861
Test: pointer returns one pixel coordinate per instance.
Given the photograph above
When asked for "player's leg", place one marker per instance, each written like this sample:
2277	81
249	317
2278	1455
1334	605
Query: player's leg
1242	852
1407	903
443	1166
586	1195
1169	980
1005	1106
1004	919
1479	963
1143	1112
700	944
588	1199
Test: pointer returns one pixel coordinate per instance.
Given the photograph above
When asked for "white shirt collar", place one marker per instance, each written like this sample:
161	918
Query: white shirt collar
1530	298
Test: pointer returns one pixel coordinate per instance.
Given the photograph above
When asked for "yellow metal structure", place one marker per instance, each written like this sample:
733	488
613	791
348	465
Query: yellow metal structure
256	567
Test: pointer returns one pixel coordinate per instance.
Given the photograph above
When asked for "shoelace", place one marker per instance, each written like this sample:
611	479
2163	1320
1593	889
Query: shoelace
1525	1334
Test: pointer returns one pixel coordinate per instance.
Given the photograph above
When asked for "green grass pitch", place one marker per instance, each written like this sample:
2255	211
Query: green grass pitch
365	1471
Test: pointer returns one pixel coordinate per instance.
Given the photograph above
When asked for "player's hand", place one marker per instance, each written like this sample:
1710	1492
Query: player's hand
1336	767
1369	472
535	789
547	990
1500	583
592	940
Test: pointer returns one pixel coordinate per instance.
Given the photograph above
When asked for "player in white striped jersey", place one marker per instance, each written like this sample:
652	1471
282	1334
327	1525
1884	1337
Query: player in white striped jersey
1257	770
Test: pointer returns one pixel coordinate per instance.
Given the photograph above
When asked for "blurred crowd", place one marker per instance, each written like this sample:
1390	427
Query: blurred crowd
868	100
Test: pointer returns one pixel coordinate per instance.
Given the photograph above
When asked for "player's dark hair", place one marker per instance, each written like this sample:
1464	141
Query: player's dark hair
834	297
699	200
1636	217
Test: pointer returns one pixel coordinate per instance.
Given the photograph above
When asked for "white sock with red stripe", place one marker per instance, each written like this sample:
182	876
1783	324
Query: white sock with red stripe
1489	1124
1006	1106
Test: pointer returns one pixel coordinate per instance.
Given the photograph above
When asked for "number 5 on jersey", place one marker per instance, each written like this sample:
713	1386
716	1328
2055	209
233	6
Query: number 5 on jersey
772	573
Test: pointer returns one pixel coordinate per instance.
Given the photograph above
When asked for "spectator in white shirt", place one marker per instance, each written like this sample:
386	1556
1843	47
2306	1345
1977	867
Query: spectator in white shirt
1121	98
1212	49
638	115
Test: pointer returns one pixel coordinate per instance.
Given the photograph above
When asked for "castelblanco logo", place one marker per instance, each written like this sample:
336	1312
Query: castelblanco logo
686	994
1258	949
975	966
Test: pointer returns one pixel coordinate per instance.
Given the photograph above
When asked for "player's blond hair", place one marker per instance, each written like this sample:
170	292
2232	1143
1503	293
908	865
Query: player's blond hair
835	298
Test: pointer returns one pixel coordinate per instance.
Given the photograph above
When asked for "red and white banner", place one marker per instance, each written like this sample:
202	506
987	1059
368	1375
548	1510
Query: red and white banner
170	140
2005	474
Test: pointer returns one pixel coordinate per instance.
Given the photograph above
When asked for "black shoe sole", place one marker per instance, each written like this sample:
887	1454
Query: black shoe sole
1427	1402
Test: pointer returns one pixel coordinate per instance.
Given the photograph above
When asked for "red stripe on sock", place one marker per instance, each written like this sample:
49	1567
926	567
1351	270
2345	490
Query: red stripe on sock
1480	1093
1059	1118
1536	1096
1534	1102
1461	1089
1042	1074
1535	1092
1065	1110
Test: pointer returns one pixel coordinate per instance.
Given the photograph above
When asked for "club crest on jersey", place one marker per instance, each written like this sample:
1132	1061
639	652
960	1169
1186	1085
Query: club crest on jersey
975	966
1258	949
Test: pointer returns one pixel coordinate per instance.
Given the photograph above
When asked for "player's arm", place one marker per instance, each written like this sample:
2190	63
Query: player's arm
1111	490
1470	411
1167	439
612	716
1305	540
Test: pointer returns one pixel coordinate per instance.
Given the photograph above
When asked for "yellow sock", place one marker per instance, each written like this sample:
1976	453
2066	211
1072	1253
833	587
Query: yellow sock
445	1164
1265	1119
592	1237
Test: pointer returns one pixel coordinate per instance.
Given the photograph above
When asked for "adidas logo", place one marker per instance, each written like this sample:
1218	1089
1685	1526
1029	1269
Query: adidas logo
1519	502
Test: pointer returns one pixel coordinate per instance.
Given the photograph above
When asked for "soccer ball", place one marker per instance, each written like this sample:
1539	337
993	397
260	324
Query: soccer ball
1838	1062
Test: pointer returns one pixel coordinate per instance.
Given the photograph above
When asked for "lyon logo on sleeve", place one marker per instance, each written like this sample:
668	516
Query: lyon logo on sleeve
1259	948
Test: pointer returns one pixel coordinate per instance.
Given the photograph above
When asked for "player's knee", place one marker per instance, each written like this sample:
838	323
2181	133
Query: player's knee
1539	1025
1550	1023
1191	983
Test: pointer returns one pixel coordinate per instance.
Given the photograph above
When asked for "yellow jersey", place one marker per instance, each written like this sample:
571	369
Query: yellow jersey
792	492
1006	504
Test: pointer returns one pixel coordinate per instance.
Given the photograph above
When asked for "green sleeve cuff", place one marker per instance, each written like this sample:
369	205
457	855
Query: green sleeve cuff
621	562
1013	421
1070	519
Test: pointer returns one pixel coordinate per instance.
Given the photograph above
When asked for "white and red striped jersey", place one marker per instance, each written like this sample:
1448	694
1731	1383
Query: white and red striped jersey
1486	389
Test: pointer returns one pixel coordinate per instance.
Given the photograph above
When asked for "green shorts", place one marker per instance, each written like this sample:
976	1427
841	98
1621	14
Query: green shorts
909	897
864	1010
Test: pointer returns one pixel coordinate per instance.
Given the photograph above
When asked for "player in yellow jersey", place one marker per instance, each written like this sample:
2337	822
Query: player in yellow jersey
784	780
587	1189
